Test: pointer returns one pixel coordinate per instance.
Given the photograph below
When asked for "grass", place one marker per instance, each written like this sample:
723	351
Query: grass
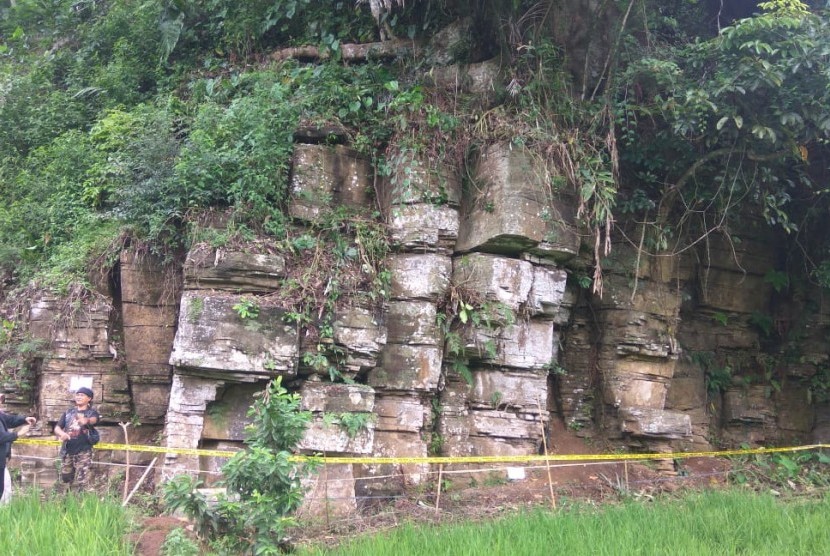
711	523
57	526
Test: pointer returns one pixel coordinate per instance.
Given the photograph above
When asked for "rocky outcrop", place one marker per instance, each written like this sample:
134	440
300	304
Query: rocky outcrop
483	334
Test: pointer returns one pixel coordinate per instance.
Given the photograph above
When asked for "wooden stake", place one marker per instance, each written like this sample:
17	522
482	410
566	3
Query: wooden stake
547	461
127	457
440	480
140	480
326	491
625	467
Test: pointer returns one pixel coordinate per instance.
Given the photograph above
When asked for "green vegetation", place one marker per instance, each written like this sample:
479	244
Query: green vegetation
462	315
132	118
731	522
263	484
63	525
783	472
722	130
247	309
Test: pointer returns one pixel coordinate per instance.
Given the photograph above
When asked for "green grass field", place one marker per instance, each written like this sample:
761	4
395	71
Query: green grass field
58	526
712	523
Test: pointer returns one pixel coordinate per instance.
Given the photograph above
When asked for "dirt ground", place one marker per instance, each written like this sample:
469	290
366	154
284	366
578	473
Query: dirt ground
459	500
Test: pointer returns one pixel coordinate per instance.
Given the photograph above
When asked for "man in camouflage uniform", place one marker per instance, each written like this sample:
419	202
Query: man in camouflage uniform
73	429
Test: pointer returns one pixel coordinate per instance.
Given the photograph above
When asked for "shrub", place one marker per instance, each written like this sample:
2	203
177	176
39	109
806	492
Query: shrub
263	482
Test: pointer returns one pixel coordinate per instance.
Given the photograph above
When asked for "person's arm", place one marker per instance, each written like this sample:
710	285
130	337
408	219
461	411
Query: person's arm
8	436
10	421
13	421
90	420
59	432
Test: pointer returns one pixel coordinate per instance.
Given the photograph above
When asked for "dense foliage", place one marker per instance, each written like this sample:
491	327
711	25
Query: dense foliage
120	116
131	116
713	127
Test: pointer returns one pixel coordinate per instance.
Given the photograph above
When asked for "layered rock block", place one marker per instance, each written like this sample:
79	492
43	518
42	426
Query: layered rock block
324	176
512	207
213	340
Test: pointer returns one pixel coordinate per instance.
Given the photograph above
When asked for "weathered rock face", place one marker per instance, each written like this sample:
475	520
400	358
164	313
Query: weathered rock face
207	268
677	352
212	339
80	356
149	304
513	208
325	176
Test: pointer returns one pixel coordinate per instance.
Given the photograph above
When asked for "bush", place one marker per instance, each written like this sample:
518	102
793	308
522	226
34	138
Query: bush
263	483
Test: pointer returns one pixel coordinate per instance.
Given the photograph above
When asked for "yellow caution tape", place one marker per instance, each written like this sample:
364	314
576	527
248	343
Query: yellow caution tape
441	460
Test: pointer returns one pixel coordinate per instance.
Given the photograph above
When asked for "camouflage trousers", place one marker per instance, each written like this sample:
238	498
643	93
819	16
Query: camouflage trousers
75	472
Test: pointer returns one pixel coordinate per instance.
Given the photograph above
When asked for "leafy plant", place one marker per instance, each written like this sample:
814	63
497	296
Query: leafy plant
779	280
354	423
247	309
721	318
718	379
263	482
762	322
177	543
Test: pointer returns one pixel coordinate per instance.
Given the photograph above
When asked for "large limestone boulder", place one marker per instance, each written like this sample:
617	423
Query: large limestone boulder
527	344
417	179
213	340
322	397
500	279
512	208
361	335
484	80
413	322
329	492
83	334
189	399
655	423
227	416
149	305
332	405
329	435
407	367
402	412
420	276
509	389
424	226
547	296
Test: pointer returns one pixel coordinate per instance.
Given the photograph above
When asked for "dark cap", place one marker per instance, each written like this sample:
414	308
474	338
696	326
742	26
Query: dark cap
84	390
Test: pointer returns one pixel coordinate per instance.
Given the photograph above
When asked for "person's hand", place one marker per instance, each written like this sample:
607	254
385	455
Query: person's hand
31	420
64	436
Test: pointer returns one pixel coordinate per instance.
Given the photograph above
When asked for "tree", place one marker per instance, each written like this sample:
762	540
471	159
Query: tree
732	120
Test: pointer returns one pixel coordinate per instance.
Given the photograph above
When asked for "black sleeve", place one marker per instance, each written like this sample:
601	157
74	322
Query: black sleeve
7	436
12	421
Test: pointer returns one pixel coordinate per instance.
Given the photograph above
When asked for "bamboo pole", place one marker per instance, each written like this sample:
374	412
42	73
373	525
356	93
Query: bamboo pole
127	457
438	493
547	461
140	480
